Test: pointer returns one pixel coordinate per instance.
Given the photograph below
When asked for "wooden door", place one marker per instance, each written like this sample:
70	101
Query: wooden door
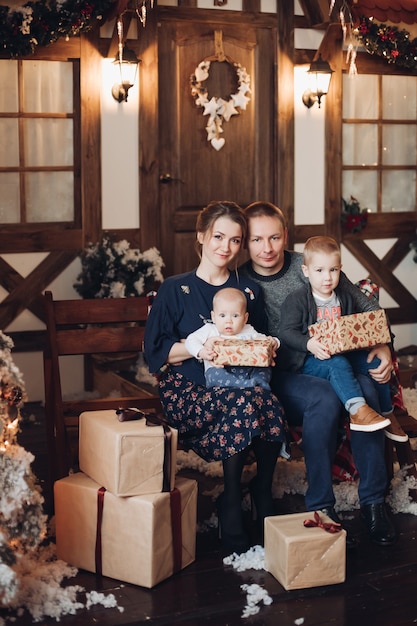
192	171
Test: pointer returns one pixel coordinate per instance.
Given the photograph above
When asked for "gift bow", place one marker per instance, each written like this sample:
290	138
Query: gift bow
330	527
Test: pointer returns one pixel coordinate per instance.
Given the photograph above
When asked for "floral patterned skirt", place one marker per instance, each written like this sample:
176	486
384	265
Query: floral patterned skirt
221	421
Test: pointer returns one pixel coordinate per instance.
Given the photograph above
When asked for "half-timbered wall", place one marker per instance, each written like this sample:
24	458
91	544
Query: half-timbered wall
307	174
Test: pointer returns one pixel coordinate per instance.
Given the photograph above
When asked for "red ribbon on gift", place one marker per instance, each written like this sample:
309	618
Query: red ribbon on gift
176	528
98	550
329	527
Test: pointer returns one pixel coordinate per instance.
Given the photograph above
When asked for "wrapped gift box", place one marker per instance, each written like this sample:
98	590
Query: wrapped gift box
352	332
141	539
300	557
127	458
244	352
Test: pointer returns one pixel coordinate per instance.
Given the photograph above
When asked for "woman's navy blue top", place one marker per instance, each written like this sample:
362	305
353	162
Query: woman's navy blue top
182	305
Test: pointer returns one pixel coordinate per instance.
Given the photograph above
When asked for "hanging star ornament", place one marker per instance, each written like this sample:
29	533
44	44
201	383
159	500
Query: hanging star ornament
219	109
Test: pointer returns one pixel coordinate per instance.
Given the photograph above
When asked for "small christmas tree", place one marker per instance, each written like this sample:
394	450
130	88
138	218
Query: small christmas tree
22	521
30	573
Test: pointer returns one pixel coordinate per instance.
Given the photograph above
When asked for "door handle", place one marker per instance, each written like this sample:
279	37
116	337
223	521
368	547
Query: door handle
167	179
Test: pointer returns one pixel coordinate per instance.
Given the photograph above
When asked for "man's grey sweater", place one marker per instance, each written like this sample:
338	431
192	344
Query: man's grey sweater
290	277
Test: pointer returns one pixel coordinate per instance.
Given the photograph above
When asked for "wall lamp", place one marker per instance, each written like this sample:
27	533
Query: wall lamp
127	63
320	74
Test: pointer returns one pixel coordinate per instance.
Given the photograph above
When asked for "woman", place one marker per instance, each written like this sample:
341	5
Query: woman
310	401
217	423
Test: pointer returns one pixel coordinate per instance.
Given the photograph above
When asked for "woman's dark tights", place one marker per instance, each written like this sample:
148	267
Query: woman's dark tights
266	453
234	537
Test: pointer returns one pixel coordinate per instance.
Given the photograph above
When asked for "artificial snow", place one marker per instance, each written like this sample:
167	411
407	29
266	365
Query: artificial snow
254	558
255	595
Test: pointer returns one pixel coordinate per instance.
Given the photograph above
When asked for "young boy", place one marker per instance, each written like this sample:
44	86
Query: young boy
323	299
229	317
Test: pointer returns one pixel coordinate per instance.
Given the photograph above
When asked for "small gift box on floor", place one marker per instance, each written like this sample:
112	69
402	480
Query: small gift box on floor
128	458
244	352
300	557
138	539
352	332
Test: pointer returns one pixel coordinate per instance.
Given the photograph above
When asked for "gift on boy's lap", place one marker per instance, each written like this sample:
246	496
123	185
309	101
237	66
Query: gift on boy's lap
125	515
244	352
352	332
300	556
137	539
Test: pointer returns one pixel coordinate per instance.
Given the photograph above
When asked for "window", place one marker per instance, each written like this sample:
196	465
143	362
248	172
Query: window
39	153
380	141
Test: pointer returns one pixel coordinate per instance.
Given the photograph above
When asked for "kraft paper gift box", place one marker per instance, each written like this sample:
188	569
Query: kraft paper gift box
142	540
352	332
244	352
127	458
300	557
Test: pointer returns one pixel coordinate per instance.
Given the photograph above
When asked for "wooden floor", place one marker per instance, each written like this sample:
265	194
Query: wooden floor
380	589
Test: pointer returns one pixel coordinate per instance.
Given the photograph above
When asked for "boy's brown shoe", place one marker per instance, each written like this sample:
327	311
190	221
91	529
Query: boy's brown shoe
368	420
394	430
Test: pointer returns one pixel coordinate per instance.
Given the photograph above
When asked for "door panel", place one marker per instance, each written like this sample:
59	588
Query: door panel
192	172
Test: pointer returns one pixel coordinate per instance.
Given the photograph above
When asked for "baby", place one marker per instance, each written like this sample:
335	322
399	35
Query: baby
229	316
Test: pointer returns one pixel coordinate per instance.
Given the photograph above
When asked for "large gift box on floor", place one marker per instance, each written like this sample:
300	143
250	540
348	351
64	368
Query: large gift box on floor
127	458
300	557
352	332
139	539
244	352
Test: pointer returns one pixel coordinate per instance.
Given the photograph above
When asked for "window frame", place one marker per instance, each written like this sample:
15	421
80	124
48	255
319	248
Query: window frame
379	122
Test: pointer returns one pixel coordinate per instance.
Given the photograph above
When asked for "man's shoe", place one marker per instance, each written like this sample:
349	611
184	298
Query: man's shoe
367	420
351	542
380	528
394	430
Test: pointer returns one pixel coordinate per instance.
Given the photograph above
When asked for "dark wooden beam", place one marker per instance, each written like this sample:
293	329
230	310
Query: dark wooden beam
316	12
285	112
383	276
149	129
90	89
27	292
28	340
331	51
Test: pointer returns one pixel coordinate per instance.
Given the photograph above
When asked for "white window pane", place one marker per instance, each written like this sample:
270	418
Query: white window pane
9	198
48	87
398	191
9	144
50	196
8	96
361	185
48	142
399	97
399	144
360	96
360	144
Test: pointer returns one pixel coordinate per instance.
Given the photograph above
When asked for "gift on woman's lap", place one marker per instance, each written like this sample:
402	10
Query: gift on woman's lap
244	352
128	458
138	539
299	556
352	332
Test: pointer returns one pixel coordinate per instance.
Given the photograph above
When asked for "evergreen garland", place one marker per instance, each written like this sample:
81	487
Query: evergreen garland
388	42
43	22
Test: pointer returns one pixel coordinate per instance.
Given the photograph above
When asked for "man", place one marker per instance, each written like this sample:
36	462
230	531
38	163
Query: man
310	401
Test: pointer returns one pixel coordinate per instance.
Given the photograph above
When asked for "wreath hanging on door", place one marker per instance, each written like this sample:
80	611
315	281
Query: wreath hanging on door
218	109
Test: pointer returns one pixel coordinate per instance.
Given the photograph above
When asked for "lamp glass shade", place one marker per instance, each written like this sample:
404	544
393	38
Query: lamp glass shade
127	67
320	74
